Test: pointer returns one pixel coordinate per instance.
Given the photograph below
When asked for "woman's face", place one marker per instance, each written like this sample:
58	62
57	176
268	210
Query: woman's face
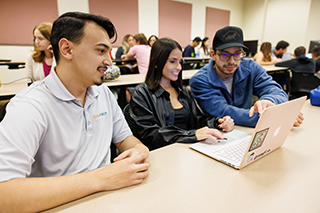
40	41
131	41
172	67
206	43
152	40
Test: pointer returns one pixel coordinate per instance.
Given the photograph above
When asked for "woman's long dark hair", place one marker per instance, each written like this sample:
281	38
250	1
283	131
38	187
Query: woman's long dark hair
160	52
205	48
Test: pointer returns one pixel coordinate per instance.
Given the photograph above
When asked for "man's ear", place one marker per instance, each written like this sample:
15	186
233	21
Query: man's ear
66	48
213	53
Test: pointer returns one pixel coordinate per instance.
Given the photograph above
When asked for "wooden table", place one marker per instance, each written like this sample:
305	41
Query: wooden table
10	90
183	180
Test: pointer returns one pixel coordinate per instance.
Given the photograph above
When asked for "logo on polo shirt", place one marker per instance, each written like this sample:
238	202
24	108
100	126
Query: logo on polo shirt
100	115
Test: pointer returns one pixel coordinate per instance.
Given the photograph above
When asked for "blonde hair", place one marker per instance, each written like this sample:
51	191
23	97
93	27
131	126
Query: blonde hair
124	44
45	29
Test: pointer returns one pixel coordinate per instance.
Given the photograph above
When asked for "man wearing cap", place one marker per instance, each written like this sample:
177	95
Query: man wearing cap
189	50
227	84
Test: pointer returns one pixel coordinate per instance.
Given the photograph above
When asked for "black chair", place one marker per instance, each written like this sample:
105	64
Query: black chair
302	83
126	112
130	121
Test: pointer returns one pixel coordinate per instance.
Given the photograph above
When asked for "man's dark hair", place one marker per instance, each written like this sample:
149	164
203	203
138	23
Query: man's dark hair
70	25
300	51
316	51
160	52
282	44
197	39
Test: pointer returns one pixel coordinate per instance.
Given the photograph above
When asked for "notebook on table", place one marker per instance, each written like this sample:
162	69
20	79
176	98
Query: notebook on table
239	148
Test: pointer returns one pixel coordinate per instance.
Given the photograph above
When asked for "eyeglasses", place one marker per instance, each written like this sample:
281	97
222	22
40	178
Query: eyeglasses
236	56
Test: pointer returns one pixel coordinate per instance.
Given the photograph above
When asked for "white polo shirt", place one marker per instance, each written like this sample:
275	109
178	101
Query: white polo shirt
47	132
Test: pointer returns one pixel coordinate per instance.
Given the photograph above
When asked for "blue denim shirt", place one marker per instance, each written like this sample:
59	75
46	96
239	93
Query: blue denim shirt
249	79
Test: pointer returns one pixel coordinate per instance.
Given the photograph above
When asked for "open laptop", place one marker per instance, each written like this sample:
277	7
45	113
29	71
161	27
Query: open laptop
239	148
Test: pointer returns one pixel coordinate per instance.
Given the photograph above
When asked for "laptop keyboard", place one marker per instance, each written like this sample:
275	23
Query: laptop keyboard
235	151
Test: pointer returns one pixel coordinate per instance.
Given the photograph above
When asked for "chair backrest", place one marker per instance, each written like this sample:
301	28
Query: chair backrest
302	83
130	121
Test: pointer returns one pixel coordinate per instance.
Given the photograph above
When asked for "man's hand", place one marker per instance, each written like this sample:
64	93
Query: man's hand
299	120
226	123
130	168
260	106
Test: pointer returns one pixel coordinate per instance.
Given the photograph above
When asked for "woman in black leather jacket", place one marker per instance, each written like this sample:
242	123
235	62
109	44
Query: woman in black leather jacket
163	111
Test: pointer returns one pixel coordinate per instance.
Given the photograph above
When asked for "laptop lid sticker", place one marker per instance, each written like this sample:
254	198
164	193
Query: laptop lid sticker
258	139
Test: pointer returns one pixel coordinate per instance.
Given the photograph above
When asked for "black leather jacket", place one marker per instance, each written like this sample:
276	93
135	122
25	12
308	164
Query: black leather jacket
153	117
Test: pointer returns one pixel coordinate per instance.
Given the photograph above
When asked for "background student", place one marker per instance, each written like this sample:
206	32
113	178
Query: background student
189	51
140	51
127	42
264	57
204	51
163	111
39	62
300	63
56	135
280	53
152	39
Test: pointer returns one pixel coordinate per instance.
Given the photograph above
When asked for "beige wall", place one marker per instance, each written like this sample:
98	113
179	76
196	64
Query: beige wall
295	21
267	20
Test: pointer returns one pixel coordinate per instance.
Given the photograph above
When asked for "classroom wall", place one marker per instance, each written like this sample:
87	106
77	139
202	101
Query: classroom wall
295	21
266	20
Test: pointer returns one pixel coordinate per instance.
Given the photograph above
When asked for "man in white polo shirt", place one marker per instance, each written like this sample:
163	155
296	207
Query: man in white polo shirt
60	129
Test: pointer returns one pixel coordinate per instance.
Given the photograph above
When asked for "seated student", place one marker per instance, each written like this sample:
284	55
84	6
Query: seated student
226	85
127	42
300	63
264	57
279	52
140	51
189	50
204	48
280	49
152	39
38	63
316	57
55	138
163	111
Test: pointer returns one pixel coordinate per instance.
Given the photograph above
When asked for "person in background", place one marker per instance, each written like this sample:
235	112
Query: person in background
204	48
127	42
189	50
280	49
56	135
279	52
152	39
227	84
39	62
300	63
140	51
316	57
264	56
163	111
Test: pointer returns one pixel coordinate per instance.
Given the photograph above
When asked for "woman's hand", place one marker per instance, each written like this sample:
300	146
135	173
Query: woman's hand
206	132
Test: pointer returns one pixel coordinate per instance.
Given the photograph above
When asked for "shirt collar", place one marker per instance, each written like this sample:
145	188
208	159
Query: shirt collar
57	88
160	91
